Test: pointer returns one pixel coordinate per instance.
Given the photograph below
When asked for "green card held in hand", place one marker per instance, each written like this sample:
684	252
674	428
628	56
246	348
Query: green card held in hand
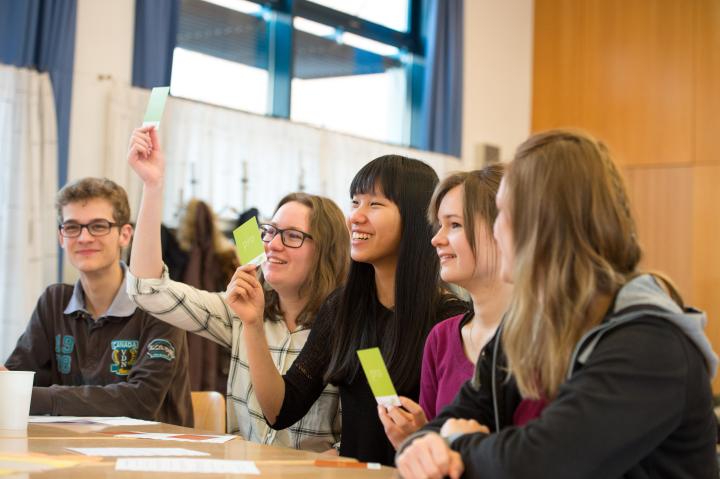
249	246
156	106
378	377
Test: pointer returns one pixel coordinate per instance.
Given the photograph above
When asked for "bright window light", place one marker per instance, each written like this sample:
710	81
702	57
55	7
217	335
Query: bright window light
369	45
390	13
243	6
313	28
221	82
369	106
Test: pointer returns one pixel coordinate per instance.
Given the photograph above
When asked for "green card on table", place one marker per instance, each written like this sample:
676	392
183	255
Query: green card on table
156	106
249	245
378	377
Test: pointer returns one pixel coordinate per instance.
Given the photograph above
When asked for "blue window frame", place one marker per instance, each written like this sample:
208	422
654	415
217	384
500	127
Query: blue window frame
277	40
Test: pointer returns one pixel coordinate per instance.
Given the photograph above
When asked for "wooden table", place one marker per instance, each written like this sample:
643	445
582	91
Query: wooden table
54	438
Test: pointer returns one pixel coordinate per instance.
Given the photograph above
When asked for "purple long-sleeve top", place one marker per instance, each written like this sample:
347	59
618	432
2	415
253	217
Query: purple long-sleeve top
444	366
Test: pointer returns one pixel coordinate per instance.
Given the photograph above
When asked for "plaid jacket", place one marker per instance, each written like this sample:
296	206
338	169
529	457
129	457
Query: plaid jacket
208	315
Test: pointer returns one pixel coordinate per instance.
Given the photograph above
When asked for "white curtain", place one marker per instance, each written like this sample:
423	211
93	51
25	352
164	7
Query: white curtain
236	160
28	182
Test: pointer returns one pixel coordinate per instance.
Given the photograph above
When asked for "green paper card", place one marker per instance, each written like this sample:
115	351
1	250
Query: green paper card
156	106
249	246
378	377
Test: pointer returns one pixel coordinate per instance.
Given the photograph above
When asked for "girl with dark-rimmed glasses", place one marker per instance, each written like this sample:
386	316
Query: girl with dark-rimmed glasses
306	261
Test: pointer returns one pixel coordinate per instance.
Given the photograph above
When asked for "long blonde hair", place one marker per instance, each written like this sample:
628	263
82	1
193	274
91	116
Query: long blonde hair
574	238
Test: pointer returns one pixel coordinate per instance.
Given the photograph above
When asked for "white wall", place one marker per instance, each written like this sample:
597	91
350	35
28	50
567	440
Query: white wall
103	54
498	75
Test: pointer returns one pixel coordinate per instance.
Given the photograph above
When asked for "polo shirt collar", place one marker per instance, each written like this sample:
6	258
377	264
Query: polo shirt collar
121	306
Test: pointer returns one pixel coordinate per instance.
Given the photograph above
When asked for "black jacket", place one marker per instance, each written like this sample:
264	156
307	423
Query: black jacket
637	402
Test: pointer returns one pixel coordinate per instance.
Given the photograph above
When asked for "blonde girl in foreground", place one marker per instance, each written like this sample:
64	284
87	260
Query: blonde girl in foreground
624	369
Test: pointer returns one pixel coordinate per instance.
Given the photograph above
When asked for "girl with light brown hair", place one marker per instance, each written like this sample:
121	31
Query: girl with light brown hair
598	371
306	244
462	211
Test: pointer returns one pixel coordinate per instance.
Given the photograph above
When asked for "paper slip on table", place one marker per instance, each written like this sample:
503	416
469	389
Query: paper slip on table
45	446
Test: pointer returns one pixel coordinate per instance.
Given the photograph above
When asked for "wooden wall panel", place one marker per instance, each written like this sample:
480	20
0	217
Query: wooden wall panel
622	70
707	96
639	83
644	76
557	64
662	199
706	249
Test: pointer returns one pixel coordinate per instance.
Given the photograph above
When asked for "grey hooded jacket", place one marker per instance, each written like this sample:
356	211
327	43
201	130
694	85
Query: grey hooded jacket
637	402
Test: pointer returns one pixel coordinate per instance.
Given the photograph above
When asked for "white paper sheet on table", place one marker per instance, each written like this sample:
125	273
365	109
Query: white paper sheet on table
107	421
122	421
136	451
217	466
189	437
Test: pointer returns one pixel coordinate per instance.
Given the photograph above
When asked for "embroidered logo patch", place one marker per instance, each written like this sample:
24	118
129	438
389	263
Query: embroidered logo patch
124	355
63	348
161	349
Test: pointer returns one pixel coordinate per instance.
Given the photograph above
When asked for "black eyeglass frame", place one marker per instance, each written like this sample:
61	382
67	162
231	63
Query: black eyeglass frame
110	224
281	232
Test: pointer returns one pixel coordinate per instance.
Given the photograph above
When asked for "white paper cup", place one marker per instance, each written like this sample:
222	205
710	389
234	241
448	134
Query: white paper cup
15	392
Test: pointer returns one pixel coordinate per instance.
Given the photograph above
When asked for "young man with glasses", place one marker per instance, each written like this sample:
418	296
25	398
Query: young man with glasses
93	351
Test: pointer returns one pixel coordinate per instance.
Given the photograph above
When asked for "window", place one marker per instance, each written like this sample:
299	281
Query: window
221	55
348	83
214	80
391	14
347	65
